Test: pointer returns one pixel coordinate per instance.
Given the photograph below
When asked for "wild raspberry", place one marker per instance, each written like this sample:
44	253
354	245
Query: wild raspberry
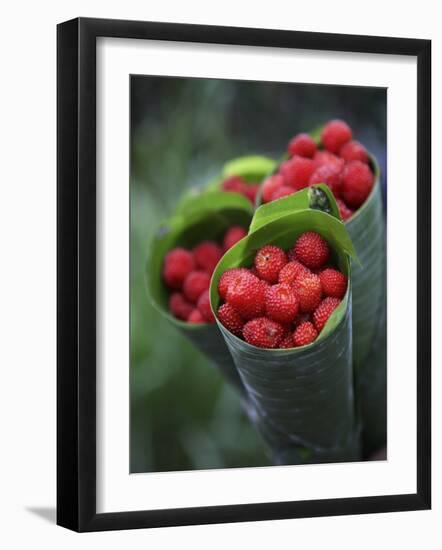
269	261
287	342
178	263
308	291
281	303
335	134
345	212
232	236
203	305
179	306
270	185
263	333
283	191
357	182
330	174
195	284
353	150
334	283
246	294
196	317
227	277
290	272
302	145
323	312
312	250
206	255
304	334
325	157
297	172
231	319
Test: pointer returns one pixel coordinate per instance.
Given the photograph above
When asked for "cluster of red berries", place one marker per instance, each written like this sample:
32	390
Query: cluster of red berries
286	298
187	274
342	164
236	184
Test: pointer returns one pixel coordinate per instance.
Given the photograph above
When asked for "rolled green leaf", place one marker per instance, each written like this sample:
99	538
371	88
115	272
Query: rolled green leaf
301	399
367	231
204	219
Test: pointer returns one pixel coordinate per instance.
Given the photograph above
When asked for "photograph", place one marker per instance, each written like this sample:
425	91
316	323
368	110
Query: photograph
258	318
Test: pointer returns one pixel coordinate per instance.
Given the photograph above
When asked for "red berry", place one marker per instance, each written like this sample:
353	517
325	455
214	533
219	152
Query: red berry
304	334
270	185
227	277
357	182
345	212
196	317
195	284
312	250
353	150
330	174
335	134
302	145
231	319
290	272
178	263
325	157
297	172
287	342
251	190
179	306
269	261
281	303
323	312
334	283
203	305
308	291
206	255
283	191
246	294
233	235
263	333
235	184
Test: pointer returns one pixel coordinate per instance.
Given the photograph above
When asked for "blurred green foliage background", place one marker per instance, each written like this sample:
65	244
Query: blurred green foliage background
183	415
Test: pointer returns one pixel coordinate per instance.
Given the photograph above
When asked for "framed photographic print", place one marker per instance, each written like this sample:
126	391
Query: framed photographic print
243	274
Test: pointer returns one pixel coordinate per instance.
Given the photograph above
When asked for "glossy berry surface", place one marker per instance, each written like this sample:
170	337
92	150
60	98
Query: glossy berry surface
263	333
312	250
269	261
335	134
281	303
323	311
304	334
178	263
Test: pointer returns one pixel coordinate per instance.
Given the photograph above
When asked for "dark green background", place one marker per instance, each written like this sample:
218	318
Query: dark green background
183	416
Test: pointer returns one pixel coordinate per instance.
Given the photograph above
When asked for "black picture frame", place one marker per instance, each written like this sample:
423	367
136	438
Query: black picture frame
76	274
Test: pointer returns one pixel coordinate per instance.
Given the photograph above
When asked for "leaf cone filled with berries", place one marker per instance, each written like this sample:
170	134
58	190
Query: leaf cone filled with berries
285	299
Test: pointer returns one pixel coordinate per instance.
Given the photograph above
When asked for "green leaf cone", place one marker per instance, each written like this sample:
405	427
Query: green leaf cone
301	400
203	219
367	230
